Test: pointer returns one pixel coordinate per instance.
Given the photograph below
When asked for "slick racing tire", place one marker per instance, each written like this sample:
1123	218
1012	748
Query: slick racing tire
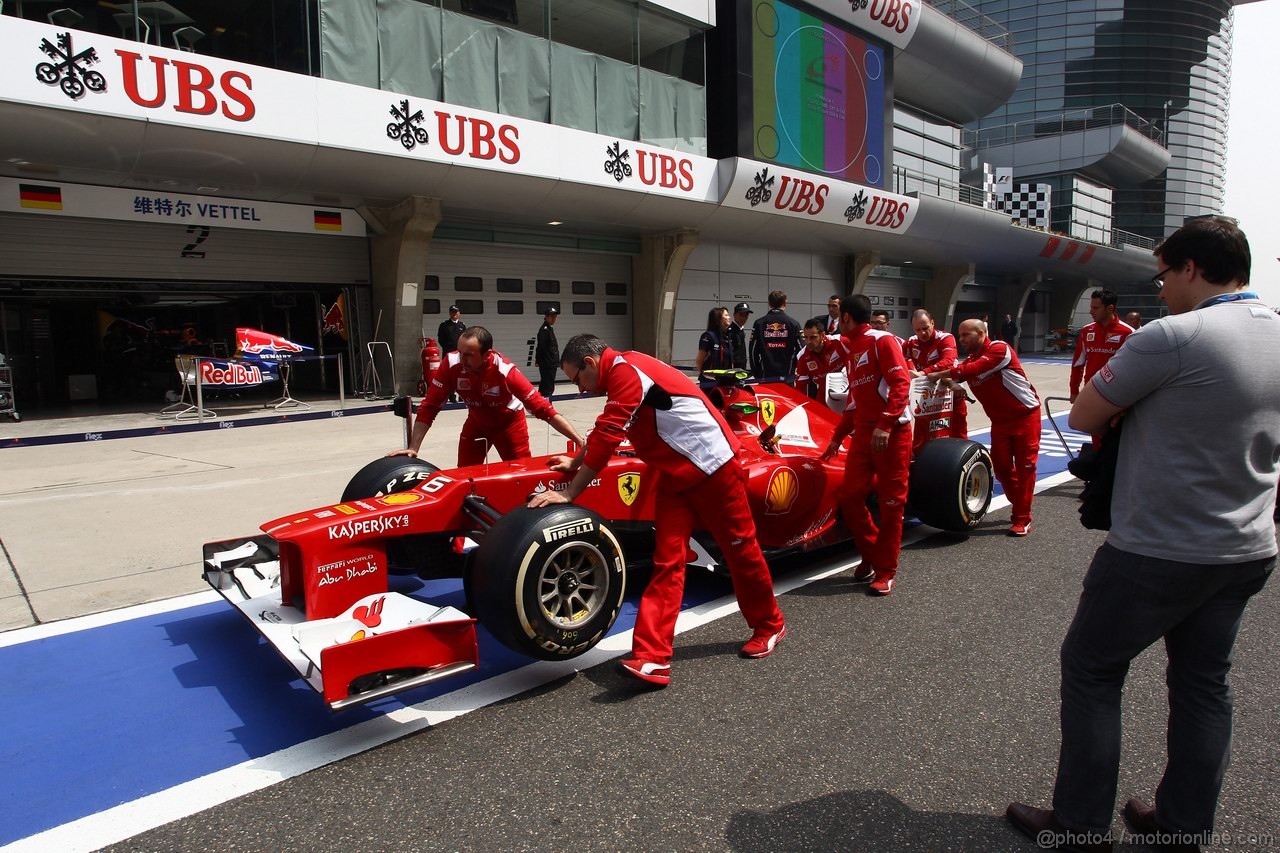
548	582
951	484
387	475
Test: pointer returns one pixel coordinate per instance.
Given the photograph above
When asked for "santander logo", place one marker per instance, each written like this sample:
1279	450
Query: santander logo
189	86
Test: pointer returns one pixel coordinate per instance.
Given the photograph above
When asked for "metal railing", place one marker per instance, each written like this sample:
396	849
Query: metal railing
907	181
1072	121
970	18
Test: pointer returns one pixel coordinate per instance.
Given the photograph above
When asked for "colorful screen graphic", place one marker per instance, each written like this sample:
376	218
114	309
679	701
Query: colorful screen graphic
819	99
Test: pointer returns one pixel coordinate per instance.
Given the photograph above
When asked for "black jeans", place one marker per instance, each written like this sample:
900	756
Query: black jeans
1129	602
547	380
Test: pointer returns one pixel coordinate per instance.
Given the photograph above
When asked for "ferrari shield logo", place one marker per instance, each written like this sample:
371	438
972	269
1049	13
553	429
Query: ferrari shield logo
629	487
767	410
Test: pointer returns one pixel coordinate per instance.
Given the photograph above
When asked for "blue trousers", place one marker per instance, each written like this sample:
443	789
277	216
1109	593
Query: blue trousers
1129	602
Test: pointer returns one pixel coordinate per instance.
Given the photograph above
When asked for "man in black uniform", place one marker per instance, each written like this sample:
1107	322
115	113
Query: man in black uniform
775	340
450	330
738	333
547	353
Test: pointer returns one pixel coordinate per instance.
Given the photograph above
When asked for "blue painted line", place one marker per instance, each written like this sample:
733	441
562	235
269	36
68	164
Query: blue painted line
114	713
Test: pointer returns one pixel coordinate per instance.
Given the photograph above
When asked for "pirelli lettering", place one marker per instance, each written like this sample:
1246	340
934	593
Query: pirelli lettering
570	528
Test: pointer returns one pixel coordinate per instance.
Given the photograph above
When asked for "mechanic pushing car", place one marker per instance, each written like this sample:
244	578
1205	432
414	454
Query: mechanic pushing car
934	352
496	394
700	484
880	451
1010	401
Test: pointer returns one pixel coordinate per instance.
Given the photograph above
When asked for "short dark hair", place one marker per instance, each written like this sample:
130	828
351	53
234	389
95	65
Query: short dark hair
920	312
579	347
1107	297
858	307
482	336
1216	245
816	324
880	312
777	299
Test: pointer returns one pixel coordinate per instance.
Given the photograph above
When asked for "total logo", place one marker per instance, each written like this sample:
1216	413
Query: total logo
352	528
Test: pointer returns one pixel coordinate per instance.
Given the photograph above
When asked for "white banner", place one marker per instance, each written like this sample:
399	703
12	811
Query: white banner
58	199
753	185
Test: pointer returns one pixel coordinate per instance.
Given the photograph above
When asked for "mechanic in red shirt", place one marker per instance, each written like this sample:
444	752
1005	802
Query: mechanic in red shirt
496	394
700	484
822	354
880	452
931	352
1099	340
996	377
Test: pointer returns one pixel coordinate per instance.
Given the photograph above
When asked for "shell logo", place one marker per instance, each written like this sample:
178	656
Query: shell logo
782	491
400	499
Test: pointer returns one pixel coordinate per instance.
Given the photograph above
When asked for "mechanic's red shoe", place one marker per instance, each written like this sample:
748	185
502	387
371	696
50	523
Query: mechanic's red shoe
1020	529
864	573
762	644
648	671
883	584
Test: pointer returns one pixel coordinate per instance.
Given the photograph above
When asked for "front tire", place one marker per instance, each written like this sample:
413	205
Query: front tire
386	476
951	484
548	582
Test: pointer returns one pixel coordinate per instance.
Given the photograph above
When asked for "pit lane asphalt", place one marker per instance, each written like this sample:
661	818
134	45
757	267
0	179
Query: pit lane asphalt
898	724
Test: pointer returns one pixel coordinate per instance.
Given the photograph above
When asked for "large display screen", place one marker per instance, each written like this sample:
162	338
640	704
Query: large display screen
819	95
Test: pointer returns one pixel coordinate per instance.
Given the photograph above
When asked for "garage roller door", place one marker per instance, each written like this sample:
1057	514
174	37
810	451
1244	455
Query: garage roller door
506	290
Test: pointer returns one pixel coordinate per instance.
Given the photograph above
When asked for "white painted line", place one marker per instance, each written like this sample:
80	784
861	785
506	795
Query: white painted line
97	620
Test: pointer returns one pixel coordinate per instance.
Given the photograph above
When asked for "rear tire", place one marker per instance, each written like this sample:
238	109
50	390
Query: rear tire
388	475
548	582
951	484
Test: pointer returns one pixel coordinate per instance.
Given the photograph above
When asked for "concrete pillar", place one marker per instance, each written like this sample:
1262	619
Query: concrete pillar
399	254
858	269
656	274
942	292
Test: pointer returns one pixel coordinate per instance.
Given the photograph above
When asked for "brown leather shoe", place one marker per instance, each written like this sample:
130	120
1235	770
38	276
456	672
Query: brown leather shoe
1043	828
1142	818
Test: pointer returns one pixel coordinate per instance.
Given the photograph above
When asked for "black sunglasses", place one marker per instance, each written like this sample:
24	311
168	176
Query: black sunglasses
1158	278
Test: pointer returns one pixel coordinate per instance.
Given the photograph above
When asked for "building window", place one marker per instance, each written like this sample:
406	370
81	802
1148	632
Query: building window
510	306
467	284
584	308
470	306
432	283
615	288
510	285
431	306
615	309
544	306
584	288
546	285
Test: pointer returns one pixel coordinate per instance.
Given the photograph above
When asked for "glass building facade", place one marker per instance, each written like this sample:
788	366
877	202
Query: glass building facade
1168	61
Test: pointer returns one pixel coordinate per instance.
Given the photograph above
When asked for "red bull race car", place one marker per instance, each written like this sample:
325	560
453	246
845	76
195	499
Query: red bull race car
547	583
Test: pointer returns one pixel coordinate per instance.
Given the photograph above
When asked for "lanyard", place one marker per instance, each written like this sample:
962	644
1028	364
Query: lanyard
1228	297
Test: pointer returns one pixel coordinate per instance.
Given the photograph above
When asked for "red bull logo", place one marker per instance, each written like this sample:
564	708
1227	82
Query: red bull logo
232	373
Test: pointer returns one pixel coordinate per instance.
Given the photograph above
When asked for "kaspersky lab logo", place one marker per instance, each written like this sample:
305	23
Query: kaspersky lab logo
69	70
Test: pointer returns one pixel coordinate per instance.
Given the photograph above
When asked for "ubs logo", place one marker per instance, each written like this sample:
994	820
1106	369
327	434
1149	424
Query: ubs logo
69	70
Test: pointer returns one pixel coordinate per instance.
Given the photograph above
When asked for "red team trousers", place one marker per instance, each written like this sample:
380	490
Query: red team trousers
718	504
1015	448
887	470
507	434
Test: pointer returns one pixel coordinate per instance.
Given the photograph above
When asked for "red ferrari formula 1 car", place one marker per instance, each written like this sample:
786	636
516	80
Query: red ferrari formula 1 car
547	583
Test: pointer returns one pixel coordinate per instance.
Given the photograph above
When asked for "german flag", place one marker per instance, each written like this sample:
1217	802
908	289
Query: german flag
42	197
328	220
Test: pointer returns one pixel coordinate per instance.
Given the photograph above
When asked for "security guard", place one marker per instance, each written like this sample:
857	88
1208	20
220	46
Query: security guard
547	353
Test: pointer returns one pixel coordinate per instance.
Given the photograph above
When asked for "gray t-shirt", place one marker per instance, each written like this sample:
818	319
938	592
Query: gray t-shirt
1196	479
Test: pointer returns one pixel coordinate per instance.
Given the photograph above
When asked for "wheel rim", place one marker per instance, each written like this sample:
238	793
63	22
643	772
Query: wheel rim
976	488
572	584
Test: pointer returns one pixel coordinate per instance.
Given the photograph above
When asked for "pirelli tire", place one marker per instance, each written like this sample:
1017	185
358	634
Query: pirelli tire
951	484
387	475
548	582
